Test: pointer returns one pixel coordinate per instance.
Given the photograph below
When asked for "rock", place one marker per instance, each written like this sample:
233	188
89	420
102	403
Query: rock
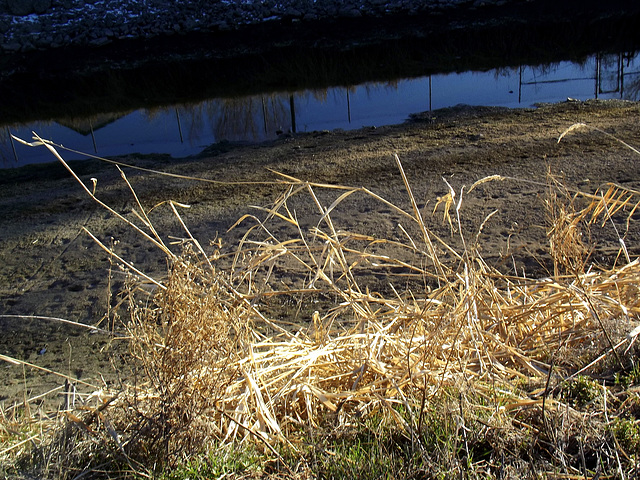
188	24
350	13
12	47
27	46
20	7
98	42
292	13
41	6
33	27
43	42
223	26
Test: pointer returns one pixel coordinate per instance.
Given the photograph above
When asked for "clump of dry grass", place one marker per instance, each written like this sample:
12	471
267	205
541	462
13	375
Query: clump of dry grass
214	367
567	247
188	343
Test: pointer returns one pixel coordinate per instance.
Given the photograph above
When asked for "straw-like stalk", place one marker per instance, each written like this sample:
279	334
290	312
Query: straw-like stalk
373	351
214	363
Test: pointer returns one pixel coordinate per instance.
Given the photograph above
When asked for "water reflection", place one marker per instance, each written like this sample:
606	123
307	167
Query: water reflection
183	130
251	118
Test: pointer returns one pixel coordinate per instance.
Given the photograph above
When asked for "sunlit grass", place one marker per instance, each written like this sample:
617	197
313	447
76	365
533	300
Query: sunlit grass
448	366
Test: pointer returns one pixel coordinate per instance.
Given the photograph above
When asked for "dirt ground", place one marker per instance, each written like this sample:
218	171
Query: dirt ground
50	267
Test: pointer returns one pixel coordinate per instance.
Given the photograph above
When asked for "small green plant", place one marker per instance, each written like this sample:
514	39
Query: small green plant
361	454
627	433
217	464
582	391
634	375
627	379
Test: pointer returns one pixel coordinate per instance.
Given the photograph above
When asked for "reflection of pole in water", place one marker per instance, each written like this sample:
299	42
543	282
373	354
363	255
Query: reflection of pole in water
619	73
292	107
609	82
179	125
13	145
93	137
348	106
597	75
621	76
520	86
264	114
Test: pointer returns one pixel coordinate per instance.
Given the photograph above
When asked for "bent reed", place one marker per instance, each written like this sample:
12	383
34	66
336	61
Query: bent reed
307	333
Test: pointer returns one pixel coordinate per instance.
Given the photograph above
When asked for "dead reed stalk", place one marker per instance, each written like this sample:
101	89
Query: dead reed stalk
214	365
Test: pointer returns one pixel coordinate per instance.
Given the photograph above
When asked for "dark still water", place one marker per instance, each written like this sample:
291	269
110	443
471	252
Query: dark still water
186	129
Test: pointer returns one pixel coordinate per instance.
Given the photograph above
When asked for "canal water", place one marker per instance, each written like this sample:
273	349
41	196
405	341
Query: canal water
186	129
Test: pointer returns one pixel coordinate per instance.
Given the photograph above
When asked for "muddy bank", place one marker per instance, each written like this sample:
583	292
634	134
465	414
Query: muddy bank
49	266
28	25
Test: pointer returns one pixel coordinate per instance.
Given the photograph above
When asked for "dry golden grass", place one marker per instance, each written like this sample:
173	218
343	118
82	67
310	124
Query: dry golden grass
211	366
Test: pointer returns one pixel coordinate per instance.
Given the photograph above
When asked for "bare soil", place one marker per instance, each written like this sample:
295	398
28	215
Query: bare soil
50	267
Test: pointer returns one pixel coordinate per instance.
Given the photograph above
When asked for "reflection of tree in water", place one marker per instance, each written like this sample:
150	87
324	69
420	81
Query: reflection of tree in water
617	75
631	80
253	117
632	89
259	117
4	135
609	72
6	151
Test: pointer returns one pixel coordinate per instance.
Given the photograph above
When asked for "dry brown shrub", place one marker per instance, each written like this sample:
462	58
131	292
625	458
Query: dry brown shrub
565	229
462	325
188	343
